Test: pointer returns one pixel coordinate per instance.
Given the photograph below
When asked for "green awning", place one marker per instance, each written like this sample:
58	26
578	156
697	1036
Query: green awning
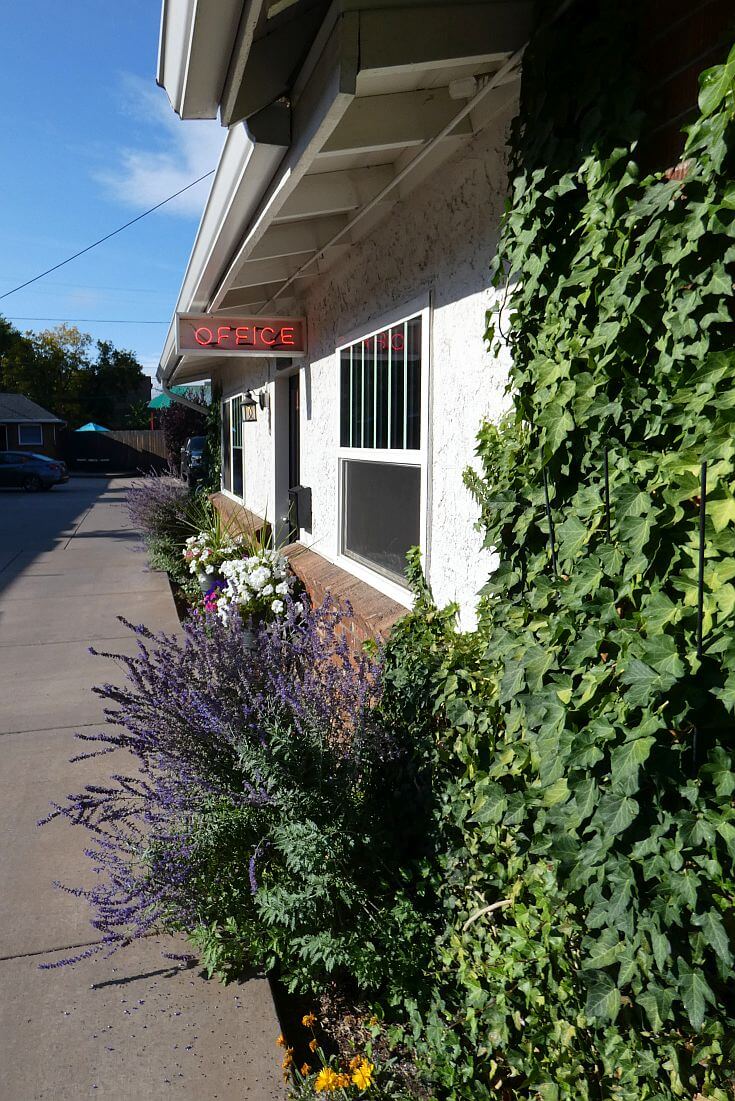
162	401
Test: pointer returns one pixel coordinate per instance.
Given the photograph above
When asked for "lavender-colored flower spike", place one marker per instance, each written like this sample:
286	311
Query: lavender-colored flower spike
187	716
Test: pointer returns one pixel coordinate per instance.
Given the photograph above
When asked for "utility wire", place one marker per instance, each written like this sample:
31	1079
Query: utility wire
86	320
107	236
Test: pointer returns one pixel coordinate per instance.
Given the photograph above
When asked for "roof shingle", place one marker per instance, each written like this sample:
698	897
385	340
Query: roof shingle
17	409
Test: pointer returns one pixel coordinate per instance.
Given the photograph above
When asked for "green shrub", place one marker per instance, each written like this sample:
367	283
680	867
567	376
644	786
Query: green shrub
588	798
584	747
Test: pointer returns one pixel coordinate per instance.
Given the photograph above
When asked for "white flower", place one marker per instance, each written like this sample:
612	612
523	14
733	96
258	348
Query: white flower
259	578
277	606
268	590
282	588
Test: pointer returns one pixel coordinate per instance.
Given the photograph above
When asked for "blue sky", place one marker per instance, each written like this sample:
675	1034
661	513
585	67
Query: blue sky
89	141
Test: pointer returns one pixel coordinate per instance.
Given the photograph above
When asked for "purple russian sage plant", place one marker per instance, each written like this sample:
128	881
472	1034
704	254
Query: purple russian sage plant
191	713
157	506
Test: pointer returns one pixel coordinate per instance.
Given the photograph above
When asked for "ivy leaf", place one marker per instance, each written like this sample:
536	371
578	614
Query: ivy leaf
695	993
719	770
491	805
536	662
512	682
726	694
661	654
642	679
726	831
722	512
717	938
603	951
558	424
656	1001
627	758
616	812
556	793
573	535
658	610
714	85
603	997
661	948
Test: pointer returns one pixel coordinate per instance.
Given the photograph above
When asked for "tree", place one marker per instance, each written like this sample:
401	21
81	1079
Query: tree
178	423
58	369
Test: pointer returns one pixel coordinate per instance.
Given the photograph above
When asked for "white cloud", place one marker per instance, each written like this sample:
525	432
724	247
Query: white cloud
168	153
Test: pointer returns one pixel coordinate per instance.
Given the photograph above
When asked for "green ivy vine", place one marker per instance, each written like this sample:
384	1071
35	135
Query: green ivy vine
588	750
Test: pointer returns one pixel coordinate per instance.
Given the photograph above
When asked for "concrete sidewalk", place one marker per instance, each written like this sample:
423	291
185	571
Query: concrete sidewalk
134	1026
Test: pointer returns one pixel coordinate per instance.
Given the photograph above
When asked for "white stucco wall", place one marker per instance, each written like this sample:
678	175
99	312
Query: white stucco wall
439	240
236	377
435	244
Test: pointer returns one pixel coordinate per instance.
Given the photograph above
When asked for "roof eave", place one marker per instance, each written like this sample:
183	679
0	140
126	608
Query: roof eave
196	41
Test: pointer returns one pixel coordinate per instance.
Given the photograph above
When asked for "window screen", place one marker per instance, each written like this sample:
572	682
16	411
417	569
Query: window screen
381	513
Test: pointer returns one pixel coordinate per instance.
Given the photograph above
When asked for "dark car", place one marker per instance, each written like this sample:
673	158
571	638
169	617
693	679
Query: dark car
193	459
31	471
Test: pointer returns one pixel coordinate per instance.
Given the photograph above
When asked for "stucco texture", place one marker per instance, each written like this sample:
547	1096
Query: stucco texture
236	377
439	240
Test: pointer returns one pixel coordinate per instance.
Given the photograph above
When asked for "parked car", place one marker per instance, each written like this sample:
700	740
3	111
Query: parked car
193	459
31	471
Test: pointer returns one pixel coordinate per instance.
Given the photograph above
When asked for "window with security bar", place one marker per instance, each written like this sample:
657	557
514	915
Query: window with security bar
381	457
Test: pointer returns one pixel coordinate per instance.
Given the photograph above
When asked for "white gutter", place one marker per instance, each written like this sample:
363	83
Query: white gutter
243	172
195	46
181	399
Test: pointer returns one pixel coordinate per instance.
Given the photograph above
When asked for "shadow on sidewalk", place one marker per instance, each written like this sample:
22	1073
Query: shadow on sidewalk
32	524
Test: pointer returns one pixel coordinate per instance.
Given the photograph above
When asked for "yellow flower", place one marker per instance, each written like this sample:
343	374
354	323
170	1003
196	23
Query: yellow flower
355	1062
362	1076
308	1020
305	1069
313	1045
280	1041
343	1080
287	1058
373	1022
327	1081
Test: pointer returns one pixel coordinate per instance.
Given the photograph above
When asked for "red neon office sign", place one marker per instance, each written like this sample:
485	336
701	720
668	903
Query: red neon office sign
205	334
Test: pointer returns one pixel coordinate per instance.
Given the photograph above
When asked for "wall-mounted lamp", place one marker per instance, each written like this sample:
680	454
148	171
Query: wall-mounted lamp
263	399
249	407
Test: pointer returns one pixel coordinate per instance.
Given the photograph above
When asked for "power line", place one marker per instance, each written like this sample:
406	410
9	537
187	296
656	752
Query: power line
86	320
106	237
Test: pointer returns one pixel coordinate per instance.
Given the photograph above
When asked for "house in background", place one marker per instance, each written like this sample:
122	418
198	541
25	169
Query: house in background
339	281
25	426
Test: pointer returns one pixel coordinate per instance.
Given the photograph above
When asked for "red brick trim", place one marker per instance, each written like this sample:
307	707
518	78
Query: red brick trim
373	613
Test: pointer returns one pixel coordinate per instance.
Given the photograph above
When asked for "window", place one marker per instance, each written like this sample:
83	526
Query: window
237	472
382	449
232	449
30	434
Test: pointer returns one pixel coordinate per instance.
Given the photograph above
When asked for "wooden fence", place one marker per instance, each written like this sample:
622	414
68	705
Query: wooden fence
124	451
143	439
